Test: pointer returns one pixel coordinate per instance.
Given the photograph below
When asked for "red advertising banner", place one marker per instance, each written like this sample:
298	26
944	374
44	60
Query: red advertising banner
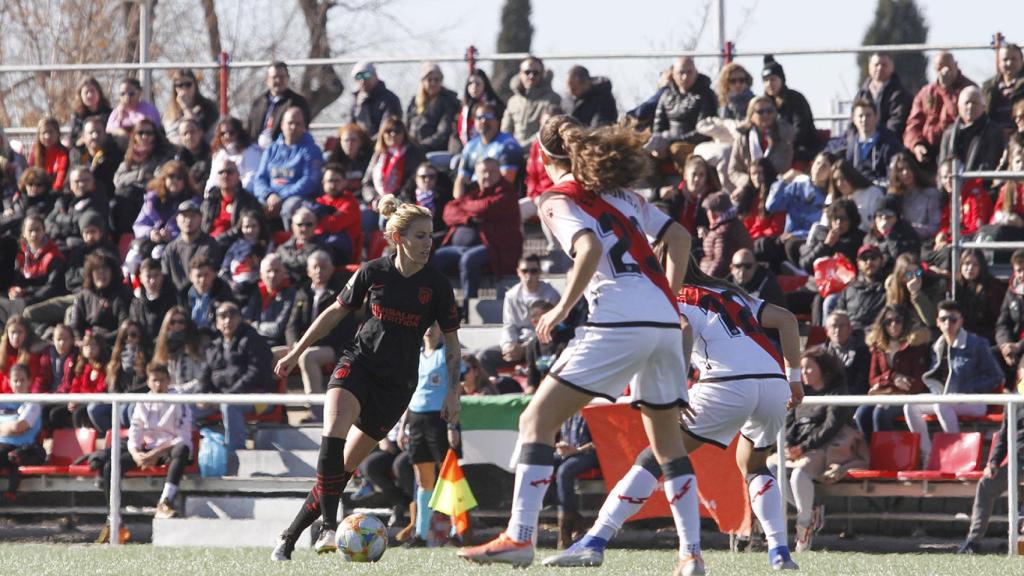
618	436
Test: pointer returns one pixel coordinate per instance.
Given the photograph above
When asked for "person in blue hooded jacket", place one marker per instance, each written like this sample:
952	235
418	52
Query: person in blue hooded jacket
289	171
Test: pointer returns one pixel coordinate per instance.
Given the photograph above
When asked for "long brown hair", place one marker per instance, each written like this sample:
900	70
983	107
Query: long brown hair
174	111
78	105
26	347
159	182
696	277
159	141
833	375
878	337
606	158
722	87
38	150
896	291
104	353
242	138
161	354
1008	192
391	122
141	353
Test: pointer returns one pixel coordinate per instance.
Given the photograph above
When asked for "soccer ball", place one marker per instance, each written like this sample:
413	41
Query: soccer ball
362	538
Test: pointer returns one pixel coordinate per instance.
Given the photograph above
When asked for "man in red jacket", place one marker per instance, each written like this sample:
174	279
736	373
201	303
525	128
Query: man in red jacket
484	229
934	109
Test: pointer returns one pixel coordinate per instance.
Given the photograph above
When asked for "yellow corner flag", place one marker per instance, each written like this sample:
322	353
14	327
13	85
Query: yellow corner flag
452	495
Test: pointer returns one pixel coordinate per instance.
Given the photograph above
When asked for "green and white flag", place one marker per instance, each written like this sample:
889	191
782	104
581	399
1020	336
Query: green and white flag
490	429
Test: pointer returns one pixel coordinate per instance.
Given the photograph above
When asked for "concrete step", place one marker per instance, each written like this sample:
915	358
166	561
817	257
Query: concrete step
277	463
287	438
219	533
484	311
480	337
241	507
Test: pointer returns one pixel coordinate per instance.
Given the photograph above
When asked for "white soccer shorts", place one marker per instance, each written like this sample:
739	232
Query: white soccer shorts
755	407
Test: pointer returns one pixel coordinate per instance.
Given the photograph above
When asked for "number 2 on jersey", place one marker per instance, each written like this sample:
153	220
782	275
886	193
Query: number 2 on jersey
612	225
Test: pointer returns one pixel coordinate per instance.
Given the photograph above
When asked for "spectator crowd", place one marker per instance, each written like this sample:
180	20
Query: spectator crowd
207	244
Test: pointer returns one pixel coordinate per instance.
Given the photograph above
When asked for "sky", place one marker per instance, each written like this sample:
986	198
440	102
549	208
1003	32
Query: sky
604	26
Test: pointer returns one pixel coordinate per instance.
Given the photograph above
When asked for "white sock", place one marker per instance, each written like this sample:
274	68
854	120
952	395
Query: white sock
625	499
681	493
766	502
169	491
532	481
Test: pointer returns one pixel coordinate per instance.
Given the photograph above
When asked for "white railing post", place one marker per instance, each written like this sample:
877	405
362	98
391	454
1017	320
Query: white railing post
1012	476
783	479
115	474
954	223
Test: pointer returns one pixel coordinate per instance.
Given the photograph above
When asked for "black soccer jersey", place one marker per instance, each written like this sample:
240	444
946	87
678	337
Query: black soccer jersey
400	310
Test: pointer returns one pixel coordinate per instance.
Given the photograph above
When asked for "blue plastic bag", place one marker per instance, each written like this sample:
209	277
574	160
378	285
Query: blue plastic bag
213	454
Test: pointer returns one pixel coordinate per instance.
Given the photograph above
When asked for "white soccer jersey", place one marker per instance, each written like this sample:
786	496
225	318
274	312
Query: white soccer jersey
618	293
728	341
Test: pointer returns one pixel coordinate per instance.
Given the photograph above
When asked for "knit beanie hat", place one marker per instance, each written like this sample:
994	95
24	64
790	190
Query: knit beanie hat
772	68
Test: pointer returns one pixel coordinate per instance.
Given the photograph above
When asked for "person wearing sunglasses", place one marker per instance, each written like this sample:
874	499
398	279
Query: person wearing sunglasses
489	143
431	112
757	280
371	101
189	103
147	151
962	363
733	91
531	91
33	196
267	110
130	110
231	141
886	93
762	135
156	224
478	90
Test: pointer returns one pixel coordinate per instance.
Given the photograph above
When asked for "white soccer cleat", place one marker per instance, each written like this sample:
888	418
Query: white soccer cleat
576	556
283	550
326	543
690	566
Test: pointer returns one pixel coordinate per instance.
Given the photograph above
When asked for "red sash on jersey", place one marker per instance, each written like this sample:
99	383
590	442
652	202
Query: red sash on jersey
597	207
735	315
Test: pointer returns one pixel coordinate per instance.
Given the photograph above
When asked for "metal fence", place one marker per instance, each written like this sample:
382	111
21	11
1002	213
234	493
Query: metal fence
955	215
1010	402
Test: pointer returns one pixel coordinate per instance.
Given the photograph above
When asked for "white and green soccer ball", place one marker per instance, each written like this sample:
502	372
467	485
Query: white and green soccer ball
362	538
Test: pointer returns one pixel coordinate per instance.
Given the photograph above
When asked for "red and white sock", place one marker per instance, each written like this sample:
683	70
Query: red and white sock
534	474
625	499
766	502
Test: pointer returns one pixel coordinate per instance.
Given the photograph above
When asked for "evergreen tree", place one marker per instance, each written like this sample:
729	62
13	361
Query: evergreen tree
898	22
515	36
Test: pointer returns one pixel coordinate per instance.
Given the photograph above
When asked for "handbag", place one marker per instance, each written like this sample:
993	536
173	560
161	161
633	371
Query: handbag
832	274
846	450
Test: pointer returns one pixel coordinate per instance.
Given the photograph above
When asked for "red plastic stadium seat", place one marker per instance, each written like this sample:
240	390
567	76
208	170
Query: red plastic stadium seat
791	282
952	454
68	445
891	453
592	474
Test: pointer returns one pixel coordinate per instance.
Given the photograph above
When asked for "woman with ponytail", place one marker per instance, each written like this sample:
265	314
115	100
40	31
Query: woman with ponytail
374	380
633	334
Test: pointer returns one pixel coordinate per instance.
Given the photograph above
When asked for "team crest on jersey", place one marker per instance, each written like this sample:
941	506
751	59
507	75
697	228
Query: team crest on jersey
425	295
341	372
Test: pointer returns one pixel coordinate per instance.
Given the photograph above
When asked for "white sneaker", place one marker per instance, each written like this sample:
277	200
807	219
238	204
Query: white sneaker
575	556
283	550
325	543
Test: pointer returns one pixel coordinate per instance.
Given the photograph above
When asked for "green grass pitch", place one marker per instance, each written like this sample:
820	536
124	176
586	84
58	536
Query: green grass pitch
143	560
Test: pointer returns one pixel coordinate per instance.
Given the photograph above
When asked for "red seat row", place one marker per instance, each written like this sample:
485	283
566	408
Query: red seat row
71	444
896	456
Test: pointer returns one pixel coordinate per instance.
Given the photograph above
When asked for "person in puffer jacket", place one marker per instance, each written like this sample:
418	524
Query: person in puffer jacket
289	171
531	92
688	99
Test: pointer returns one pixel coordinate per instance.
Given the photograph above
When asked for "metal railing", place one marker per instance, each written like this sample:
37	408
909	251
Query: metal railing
956	242
1010	402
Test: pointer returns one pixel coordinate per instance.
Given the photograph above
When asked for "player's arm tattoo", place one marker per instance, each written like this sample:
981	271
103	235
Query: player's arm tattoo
453	359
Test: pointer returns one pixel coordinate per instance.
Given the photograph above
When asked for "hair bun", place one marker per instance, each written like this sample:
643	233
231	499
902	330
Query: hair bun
388	205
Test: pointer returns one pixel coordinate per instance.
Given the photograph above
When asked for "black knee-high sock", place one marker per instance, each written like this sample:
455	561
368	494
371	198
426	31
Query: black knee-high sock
331	479
308	514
